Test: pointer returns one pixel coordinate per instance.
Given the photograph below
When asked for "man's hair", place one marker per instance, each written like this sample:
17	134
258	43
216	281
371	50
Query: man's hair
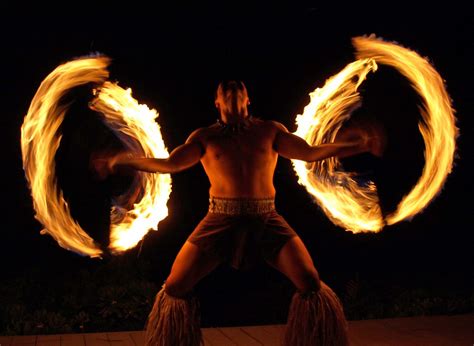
228	83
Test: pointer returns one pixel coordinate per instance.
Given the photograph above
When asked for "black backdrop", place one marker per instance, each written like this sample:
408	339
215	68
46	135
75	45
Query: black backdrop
173	59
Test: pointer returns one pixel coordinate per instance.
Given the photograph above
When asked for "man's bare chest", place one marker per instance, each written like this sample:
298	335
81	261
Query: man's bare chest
252	146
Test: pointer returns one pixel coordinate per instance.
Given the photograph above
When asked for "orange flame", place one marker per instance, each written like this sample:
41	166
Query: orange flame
123	113
39	143
438	127
134	123
346	203
342	199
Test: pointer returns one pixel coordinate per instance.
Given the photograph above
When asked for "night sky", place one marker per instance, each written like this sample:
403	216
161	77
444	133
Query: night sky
173	60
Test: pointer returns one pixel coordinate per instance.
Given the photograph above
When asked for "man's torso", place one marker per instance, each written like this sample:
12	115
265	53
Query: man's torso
240	164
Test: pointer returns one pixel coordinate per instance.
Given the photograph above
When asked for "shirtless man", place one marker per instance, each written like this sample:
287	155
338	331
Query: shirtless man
239	155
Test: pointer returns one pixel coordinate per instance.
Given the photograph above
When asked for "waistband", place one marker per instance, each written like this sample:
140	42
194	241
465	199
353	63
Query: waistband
241	206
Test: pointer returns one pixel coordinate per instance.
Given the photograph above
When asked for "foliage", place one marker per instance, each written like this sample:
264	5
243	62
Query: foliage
384	299
117	296
106	299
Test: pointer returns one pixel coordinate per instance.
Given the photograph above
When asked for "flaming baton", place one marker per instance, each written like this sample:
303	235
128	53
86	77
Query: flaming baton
135	125
345	202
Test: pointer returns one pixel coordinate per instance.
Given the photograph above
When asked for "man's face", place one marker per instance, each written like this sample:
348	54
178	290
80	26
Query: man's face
231	97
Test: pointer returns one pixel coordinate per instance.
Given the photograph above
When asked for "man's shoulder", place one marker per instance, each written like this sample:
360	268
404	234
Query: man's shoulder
275	125
202	132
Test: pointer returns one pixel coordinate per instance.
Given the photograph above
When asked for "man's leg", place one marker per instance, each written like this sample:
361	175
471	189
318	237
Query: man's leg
295	262
190	266
174	319
316	316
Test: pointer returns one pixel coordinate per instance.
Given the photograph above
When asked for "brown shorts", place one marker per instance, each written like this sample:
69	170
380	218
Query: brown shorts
241	239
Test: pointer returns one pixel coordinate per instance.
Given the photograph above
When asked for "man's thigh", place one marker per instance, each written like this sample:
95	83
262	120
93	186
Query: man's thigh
190	266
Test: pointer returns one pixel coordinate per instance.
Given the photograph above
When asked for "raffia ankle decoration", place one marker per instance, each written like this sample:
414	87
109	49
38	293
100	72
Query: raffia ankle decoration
316	318
173	321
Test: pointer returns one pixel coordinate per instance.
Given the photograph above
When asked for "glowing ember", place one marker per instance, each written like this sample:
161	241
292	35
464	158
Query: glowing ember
39	142
134	124
345	202
131	120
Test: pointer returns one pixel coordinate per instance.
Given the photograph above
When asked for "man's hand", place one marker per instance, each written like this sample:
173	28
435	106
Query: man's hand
374	138
103	164
371	135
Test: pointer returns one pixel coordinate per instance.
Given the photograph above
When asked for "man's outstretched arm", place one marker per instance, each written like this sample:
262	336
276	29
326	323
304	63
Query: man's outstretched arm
291	146
181	158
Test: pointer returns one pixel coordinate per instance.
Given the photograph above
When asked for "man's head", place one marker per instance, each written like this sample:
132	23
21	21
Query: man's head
232	100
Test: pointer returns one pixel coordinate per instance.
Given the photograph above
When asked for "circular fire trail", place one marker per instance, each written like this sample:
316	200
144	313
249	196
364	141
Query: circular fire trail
346	203
134	124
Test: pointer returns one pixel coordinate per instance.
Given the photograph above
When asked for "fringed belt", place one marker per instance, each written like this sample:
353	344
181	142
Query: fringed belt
241	206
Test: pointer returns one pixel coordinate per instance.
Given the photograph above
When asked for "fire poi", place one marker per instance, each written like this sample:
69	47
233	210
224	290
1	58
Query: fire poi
350	205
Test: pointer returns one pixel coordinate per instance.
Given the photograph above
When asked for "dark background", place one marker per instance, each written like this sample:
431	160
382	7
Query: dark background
173	60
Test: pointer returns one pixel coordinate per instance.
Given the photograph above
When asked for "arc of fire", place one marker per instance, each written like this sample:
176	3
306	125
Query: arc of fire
135	124
347	204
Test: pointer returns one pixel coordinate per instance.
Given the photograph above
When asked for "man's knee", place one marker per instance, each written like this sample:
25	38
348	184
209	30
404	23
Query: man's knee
310	280
177	288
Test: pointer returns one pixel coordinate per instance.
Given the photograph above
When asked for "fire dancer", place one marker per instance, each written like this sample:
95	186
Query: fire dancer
239	155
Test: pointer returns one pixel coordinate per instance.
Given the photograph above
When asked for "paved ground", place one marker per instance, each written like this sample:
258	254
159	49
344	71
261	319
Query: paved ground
410	331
